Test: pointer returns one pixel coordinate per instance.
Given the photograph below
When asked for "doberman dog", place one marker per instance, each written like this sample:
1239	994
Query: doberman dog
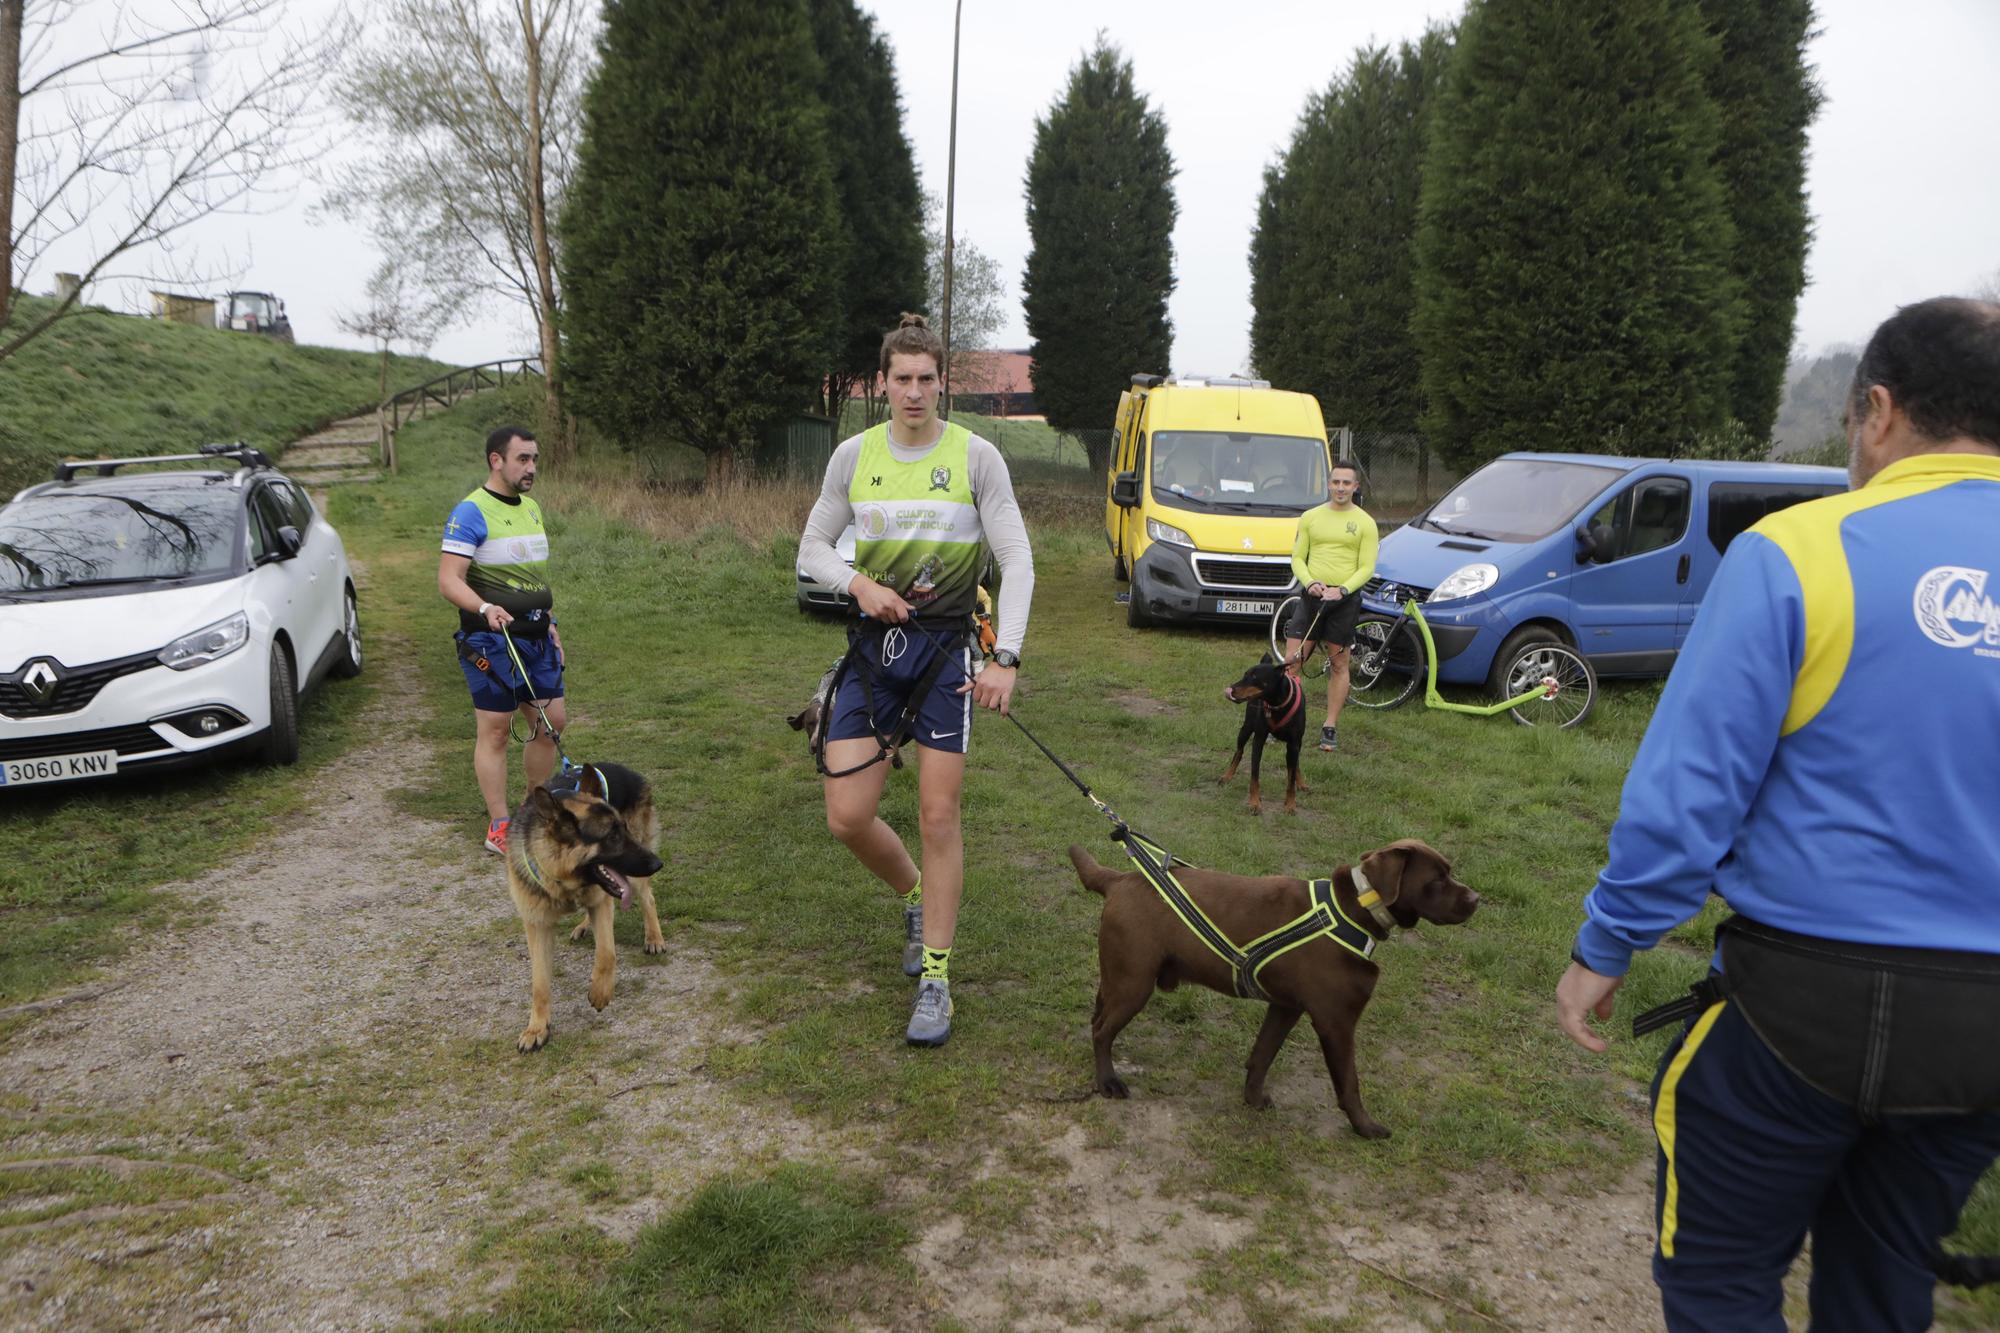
1274	705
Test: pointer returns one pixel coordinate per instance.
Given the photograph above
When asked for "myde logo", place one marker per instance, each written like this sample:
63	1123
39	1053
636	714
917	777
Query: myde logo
1952	609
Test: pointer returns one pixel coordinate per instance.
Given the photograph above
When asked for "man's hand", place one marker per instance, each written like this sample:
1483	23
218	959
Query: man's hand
1336	592
877	602
1316	589
497	617
993	687
1582	992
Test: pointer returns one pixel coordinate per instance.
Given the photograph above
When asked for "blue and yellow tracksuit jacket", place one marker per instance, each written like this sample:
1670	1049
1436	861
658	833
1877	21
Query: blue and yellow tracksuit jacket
1826	754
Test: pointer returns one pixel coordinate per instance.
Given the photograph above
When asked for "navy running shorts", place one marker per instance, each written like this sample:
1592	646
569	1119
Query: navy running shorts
897	658
539	655
1336	626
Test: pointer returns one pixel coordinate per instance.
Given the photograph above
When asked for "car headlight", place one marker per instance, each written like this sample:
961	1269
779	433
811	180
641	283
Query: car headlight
1168	533
205	645
1465	581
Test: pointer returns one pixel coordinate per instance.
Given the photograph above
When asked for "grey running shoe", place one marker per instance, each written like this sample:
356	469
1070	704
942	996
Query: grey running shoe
930	1019
1327	742
913	941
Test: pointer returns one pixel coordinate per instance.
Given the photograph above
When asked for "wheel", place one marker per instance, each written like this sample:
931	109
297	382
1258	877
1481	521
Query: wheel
1136	614
1318	661
1386	664
1536	656
281	742
349	664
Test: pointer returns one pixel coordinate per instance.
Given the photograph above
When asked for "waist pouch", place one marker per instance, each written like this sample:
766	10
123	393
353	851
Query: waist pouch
530	624
1886	1031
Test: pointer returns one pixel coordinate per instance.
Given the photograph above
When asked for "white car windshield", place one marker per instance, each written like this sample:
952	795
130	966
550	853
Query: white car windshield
79	539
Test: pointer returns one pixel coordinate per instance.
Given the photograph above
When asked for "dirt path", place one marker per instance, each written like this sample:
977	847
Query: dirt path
318	1064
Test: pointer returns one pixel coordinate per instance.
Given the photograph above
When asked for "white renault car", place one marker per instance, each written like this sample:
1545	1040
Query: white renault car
154	616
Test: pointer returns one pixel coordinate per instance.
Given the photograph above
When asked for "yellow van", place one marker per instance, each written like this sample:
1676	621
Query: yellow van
1208	478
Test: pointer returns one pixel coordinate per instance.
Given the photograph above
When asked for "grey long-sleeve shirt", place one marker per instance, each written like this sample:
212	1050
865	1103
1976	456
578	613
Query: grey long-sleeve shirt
999	516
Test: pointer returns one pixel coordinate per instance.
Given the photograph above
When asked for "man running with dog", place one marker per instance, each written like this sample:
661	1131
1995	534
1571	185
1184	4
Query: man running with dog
1822	759
926	498
1332	557
495	571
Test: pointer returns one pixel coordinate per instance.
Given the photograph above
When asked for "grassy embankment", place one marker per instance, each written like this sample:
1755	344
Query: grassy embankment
79	863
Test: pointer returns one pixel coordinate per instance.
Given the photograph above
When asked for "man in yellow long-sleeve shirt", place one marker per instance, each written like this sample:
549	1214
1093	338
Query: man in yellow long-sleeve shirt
1332	557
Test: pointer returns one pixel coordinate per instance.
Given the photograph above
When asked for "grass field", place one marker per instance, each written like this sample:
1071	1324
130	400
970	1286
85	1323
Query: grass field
685	653
102	385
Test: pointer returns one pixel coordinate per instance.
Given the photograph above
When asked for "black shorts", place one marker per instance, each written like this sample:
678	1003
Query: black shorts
1336	625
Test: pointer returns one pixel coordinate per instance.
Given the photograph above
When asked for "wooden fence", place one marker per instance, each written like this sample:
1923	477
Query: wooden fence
415	403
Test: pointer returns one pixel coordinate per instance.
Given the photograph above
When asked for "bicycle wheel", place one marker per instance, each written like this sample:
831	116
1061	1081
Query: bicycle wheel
1569	684
1385	665
1317	662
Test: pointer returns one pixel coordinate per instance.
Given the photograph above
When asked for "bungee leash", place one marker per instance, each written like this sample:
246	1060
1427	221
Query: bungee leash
521	672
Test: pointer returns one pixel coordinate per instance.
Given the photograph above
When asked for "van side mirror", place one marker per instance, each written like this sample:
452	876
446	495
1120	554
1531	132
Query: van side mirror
1125	490
1591	541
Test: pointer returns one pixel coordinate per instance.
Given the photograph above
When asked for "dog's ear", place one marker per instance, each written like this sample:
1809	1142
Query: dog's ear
546	805
592	783
1267	659
1383	869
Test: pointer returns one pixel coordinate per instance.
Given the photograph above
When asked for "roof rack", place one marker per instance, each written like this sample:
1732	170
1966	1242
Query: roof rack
244	455
1217	382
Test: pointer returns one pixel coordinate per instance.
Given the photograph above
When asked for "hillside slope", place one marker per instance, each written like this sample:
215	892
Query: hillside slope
102	384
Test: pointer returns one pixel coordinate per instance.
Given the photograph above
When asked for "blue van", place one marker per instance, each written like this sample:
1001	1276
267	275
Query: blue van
1608	555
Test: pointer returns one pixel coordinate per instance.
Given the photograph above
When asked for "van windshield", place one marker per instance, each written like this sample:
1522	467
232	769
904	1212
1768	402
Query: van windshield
1517	499
1228	472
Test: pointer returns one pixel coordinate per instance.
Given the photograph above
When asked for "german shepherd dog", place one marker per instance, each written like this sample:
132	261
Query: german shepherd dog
588	848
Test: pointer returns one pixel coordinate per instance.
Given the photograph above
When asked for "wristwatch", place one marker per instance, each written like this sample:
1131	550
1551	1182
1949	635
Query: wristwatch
1005	658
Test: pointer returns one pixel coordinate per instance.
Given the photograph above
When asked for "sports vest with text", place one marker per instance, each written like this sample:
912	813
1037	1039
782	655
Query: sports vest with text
916	526
510	562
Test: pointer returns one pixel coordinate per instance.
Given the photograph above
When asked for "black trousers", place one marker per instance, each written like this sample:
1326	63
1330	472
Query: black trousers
1751	1158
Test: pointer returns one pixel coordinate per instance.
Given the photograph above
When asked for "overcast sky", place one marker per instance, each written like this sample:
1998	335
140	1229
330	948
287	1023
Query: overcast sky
1904	175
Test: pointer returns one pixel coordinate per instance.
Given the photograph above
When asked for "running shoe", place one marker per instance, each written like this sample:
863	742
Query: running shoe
930	1018
1327	741
496	837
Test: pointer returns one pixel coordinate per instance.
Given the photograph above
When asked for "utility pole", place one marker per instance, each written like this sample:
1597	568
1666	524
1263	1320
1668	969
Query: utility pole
950	189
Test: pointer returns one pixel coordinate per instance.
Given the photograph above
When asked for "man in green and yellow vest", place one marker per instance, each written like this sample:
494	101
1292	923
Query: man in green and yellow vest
495	571
1332	557
927	498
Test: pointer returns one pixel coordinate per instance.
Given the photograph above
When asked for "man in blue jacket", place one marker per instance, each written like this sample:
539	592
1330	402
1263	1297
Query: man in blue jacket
1823	759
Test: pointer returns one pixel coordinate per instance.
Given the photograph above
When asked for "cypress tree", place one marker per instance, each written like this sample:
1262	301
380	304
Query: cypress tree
880	213
1100	260
1573	283
700	228
1768	99
1331	257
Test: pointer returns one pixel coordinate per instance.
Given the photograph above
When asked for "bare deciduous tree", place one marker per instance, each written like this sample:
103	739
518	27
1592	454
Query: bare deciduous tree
470	108
397	310
124	123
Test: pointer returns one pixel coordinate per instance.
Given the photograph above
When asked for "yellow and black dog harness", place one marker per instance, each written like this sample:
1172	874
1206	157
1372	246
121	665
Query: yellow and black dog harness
1323	918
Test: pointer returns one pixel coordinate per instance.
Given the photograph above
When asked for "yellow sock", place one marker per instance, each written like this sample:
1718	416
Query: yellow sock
937	964
915	897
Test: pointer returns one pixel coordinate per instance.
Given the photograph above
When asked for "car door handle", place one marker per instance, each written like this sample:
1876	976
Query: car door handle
1681	571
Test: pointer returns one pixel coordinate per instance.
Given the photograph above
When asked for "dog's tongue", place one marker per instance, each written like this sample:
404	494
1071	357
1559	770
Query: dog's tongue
621	888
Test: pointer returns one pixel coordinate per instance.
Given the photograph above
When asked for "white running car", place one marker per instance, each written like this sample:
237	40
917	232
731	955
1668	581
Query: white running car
150	618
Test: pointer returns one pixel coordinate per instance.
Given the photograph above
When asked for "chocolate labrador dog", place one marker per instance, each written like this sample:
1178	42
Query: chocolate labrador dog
1142	944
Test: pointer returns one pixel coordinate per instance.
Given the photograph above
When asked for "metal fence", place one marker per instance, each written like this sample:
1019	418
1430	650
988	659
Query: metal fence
1402	474
798	447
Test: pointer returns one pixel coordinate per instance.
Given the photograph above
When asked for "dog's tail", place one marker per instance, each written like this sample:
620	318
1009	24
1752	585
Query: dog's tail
1095	877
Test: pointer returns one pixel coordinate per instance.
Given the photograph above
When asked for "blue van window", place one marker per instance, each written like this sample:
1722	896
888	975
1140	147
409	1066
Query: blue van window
1733	506
1642	518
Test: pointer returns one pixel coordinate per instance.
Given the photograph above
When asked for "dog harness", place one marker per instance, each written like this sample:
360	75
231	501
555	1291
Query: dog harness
1323	918
888	744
